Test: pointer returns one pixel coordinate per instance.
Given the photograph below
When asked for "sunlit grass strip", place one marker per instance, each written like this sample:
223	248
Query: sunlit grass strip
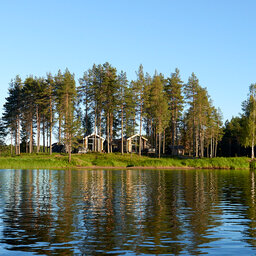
60	161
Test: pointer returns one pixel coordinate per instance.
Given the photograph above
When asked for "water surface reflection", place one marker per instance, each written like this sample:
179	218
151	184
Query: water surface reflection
127	212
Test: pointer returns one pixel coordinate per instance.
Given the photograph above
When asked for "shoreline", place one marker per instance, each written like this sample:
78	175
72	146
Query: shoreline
95	167
117	161
136	167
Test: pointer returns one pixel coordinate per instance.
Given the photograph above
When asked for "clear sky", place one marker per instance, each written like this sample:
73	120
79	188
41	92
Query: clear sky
214	39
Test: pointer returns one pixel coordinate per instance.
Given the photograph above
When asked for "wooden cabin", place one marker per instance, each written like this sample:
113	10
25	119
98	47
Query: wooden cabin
132	144
93	142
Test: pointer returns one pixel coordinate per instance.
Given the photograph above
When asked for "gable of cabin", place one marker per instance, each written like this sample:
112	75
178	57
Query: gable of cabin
133	142
93	142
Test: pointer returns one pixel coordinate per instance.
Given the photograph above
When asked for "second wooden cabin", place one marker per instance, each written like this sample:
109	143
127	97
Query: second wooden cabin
93	142
131	144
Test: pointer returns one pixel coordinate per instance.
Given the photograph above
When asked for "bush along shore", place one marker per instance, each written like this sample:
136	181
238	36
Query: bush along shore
116	160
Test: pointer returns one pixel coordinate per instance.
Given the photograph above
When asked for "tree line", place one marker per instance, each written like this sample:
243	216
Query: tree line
170	112
239	137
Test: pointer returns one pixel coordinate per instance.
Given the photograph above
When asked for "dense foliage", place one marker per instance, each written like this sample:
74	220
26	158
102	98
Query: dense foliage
171	113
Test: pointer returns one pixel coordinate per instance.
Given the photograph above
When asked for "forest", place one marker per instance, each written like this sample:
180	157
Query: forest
169	112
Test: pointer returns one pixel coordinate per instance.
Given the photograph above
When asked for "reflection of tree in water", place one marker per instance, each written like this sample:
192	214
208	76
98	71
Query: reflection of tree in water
238	199
249	195
161	226
96	214
200	204
33	222
130	211
25	224
143	212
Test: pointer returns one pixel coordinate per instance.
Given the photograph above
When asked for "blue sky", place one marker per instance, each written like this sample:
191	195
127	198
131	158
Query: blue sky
214	39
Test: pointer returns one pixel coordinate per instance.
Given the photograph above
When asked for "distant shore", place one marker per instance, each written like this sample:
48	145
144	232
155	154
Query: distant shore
118	161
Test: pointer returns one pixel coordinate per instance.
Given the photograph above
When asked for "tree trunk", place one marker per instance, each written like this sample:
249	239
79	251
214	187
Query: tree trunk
15	138
111	132
253	146
253	133
202	144
108	130
60	120
31	137
176	127
43	134
11	142
173	135
140	127
18	136
197	141
95	129
216	147
122	129
211	148
152	134
156	144
159	146
69	147
86	114
51	117
100	131
38	129
194	131
164	142
47	137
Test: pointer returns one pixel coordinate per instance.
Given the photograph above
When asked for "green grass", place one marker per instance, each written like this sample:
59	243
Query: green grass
60	161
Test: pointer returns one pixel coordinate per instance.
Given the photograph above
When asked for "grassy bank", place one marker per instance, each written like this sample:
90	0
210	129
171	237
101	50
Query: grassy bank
59	161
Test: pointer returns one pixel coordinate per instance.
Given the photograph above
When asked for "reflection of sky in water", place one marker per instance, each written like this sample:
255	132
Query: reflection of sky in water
127	212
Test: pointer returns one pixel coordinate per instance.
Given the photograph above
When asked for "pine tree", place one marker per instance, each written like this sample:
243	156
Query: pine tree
50	99
68	95
174	88
110	101
40	105
28	108
123	83
191	89
129	112
96	96
13	110
58	89
86	98
139	86
160	108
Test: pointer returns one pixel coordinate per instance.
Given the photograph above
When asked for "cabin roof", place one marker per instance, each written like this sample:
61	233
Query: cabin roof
135	135
93	135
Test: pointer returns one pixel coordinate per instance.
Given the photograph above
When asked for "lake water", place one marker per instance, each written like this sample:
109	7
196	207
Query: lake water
99	212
